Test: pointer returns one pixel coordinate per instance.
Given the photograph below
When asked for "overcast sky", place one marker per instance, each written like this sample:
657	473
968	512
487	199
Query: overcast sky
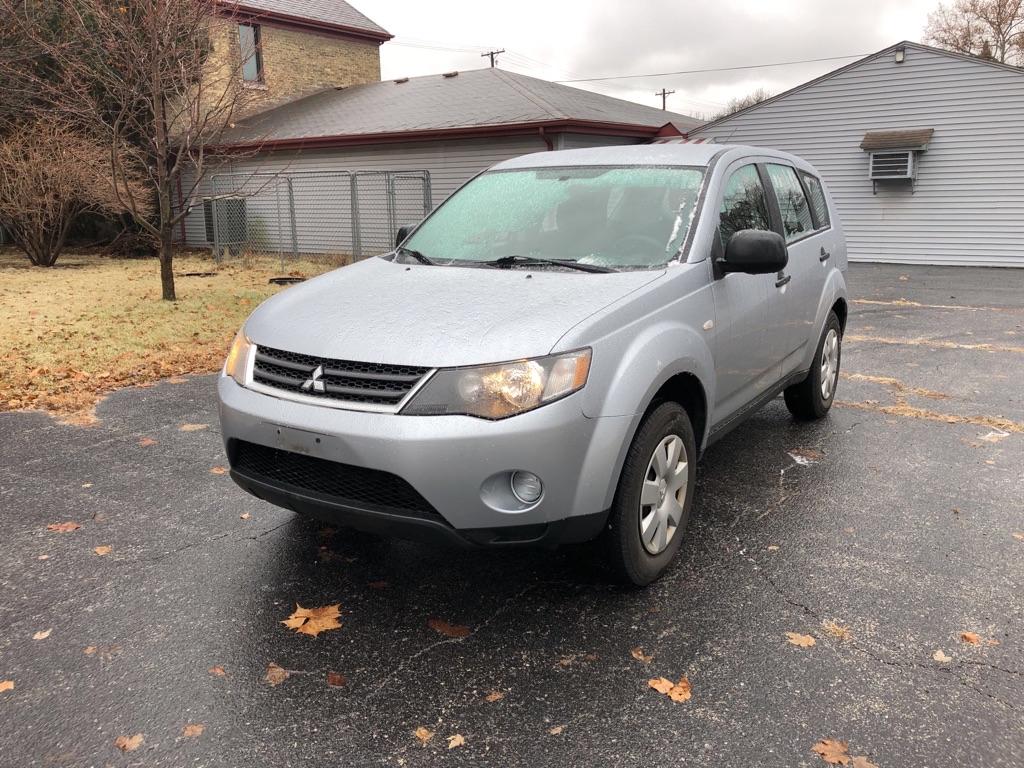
597	38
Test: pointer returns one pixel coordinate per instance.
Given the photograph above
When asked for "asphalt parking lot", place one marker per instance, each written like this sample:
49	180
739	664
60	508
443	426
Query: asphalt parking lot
884	533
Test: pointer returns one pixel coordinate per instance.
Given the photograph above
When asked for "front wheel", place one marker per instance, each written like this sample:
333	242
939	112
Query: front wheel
653	499
812	397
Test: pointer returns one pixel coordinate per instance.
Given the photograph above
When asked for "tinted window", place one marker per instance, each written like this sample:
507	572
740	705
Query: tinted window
796	213
818	205
744	205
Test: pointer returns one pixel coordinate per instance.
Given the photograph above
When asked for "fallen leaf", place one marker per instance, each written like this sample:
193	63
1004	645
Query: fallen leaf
378	585
193	427
313	621
193	730
942	658
423	734
89	650
832	751
128	743
995	436
456	741
1019	536
244	516
638	654
970	637
678	692
991	641
494	696
556	730
87	485
218	470
43	557
836	629
772	547
6	685
42	634
103	550
63	527
448	630
336	679
146	442
803	641
862	762
217	671
275	674
805	457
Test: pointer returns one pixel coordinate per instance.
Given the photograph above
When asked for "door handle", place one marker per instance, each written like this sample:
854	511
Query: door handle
782	281
824	255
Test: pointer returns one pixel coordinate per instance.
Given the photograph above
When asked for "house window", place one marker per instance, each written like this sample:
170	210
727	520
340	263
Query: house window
252	55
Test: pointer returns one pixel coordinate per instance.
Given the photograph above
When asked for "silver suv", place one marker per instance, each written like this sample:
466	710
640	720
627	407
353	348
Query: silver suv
544	357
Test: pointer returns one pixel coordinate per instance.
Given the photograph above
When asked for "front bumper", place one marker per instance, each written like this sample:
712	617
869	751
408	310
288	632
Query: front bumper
452	462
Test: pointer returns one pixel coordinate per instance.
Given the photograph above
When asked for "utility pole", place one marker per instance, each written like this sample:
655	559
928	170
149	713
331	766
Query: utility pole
492	55
664	97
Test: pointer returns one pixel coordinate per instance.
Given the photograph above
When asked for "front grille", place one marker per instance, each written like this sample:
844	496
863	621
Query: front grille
331	481
340	380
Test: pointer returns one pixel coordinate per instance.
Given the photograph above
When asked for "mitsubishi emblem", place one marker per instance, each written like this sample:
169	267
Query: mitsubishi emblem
314	383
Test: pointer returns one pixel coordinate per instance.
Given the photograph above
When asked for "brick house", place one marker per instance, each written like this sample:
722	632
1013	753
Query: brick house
317	112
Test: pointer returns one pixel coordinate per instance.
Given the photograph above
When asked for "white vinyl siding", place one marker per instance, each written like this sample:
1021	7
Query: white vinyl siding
967	204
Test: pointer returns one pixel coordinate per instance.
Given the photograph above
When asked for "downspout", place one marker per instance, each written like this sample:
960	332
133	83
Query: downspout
547	139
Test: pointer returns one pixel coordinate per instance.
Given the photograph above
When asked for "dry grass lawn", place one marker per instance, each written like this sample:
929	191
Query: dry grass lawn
75	332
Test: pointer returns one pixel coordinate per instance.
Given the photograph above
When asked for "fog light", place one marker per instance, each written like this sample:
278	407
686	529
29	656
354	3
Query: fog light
527	487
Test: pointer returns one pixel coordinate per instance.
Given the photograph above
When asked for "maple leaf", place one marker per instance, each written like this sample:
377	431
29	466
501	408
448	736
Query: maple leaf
103	550
638	654
244	516
193	730
457	740
217	671
146	442
128	743
193	427
42	634
494	696
802	641
336	679
862	762
276	674
448	630
832	751
973	638
942	658
423	734
836	629
218	470
63	527
6	685
678	692
313	621
556	730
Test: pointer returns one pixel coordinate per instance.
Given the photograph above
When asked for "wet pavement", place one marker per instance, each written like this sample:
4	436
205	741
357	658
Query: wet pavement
884	532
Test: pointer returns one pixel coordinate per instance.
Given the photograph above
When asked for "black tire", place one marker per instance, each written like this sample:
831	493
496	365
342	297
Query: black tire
805	400
625	550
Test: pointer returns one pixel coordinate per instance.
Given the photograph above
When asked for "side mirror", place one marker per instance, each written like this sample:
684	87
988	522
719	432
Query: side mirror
402	234
755	252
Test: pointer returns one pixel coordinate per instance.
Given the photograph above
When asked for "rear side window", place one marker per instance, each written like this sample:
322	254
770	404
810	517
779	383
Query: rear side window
818	205
744	204
796	213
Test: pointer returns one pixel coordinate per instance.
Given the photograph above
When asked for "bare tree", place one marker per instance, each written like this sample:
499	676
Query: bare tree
991	29
752	98
137	74
49	176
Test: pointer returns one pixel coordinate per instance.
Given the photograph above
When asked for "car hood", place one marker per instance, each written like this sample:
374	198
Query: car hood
379	311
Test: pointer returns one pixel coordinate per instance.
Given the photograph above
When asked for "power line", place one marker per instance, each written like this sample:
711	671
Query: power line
713	69
492	55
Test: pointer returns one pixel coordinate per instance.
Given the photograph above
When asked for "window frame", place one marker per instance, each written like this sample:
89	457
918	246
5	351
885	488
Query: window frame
803	176
780	227
257	53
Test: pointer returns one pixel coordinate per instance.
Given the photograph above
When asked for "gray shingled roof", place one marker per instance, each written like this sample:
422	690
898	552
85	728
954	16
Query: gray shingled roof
327	11
472	99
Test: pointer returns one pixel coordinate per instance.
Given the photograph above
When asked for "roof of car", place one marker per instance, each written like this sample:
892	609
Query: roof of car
681	154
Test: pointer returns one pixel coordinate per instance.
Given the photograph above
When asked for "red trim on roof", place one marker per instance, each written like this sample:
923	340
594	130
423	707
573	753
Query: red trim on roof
471	132
245	13
668	129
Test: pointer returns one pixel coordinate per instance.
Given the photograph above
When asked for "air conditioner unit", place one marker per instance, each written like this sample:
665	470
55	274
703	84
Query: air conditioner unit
892	165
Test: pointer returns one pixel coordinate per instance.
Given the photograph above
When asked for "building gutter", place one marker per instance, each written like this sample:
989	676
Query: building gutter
546	139
244	13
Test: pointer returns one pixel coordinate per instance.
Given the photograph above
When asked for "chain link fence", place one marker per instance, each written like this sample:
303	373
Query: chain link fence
325	216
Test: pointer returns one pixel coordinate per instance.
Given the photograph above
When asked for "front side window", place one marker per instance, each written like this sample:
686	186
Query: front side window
744	204
817	197
615	217
252	57
796	213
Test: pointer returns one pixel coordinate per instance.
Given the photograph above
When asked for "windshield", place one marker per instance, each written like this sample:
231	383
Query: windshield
615	217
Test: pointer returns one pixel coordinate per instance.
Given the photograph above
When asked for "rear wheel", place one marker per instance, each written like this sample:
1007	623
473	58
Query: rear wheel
653	499
812	397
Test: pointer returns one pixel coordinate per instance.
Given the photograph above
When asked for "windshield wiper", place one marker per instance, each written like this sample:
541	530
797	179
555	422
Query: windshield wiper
511	261
417	255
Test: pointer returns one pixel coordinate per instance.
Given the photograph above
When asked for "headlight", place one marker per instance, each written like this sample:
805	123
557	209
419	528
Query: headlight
237	363
505	389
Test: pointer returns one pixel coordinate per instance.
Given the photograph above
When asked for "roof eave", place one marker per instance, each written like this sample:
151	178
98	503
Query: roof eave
245	12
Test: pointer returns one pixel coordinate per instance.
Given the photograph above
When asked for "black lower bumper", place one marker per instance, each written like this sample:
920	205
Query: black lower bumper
394	524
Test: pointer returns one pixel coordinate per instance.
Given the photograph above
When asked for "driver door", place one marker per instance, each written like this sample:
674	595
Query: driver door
745	365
